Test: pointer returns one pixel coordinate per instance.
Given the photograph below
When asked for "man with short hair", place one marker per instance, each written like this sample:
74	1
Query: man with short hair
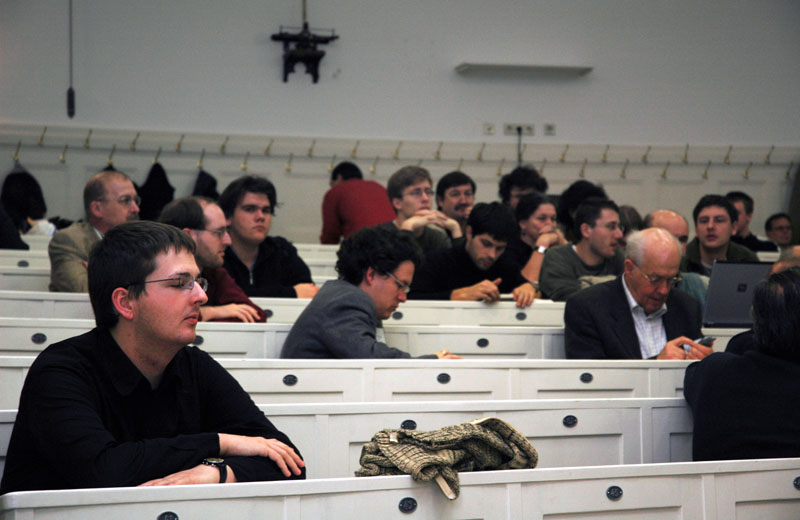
637	316
109	199
262	265
410	193
744	208
744	406
455	196
375	269
476	270
523	180
568	268
352	204
202	219
128	403
714	223
779	229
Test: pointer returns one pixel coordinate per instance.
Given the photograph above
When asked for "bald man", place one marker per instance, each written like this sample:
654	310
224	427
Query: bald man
672	222
638	315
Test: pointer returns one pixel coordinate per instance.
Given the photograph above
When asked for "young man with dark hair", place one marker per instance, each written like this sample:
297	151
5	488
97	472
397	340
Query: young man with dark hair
204	222
375	268
714	223
262	265
455	196
523	180
128	403
779	229
477	269
594	258
411	195
352	204
744	208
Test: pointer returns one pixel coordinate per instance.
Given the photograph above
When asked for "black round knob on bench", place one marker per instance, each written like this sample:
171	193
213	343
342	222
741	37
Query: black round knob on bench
397	315
521	316
586	377
443	378
39	338
290	380
614	493
483	342
408	424
167	515
23	263
796	483
570	421
407	505
198	340
268	312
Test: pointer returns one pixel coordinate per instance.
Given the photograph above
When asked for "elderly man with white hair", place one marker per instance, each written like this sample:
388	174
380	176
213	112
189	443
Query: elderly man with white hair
638	315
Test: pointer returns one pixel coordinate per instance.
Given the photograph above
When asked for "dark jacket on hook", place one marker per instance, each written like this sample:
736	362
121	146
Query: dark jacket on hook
206	185
156	192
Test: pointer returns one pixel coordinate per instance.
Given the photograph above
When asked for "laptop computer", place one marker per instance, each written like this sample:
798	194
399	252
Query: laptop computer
730	293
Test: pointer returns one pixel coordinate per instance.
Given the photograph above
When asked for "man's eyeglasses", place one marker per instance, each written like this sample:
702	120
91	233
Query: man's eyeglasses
220	233
658	280
403	286
417	193
182	281
126	200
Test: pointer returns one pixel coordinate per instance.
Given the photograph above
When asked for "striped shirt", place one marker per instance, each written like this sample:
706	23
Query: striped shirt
649	328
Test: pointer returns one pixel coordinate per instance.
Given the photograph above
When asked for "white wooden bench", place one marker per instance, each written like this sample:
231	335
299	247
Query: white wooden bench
24	278
22	258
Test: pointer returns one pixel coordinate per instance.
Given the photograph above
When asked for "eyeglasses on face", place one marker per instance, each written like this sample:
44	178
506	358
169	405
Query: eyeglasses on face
220	233
182	281
418	192
126	200
658	280
403	286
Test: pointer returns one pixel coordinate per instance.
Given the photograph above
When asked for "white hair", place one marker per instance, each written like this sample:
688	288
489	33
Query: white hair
640	241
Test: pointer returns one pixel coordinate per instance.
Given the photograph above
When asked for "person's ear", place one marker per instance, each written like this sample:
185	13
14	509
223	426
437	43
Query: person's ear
397	204
629	266
468	233
192	233
586	230
94	209
123	303
369	276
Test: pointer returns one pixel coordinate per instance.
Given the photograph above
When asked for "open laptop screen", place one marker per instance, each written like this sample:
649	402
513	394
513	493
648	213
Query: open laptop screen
730	293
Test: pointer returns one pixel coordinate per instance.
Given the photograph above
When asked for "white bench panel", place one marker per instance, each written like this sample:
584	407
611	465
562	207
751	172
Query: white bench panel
24	278
21	258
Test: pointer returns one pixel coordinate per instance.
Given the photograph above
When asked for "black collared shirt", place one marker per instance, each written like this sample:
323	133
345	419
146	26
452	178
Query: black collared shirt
88	418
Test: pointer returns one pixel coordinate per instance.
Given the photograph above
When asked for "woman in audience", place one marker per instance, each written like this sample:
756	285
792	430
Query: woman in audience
571	198
630	221
538	231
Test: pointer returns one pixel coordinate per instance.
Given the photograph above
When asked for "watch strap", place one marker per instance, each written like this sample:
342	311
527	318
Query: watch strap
220	465
541	249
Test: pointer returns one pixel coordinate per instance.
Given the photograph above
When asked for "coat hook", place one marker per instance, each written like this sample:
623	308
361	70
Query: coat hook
604	158
41	137
200	162
460	163
686	154
563	157
158	154
373	168
480	152
180	144
769	154
244	162
582	173
664	173
310	152
133	143
63	157
16	152
438	154
541	168
396	154
789	171
419	163
646	153
111	155
500	168
522	151
268	148
224	145
289	163
747	170
727	159
623	173
330	165
86	141
355	150
705	172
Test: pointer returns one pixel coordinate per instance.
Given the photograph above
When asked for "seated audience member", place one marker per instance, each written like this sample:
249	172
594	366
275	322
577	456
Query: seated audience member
128	403
375	269
9	236
714	223
261	265
568	268
455	196
779	229
109	199
410	192
205	223
637	316
692	283
523	180
744	406
352	203
629	221
744	209
477	269
538	231
569	201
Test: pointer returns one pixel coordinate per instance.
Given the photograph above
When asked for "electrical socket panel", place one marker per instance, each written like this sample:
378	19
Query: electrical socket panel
488	129
511	128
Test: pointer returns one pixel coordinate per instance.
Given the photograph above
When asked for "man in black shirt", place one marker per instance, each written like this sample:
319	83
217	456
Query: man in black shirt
477	269
128	403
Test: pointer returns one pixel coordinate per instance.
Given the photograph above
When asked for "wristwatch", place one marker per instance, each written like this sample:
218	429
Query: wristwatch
220	465
541	249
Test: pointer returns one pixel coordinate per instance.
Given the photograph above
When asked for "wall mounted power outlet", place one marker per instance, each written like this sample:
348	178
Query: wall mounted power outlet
511	128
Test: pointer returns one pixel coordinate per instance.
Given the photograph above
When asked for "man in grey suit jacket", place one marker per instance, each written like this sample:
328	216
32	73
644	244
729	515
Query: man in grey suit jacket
109	199
637	316
375	267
